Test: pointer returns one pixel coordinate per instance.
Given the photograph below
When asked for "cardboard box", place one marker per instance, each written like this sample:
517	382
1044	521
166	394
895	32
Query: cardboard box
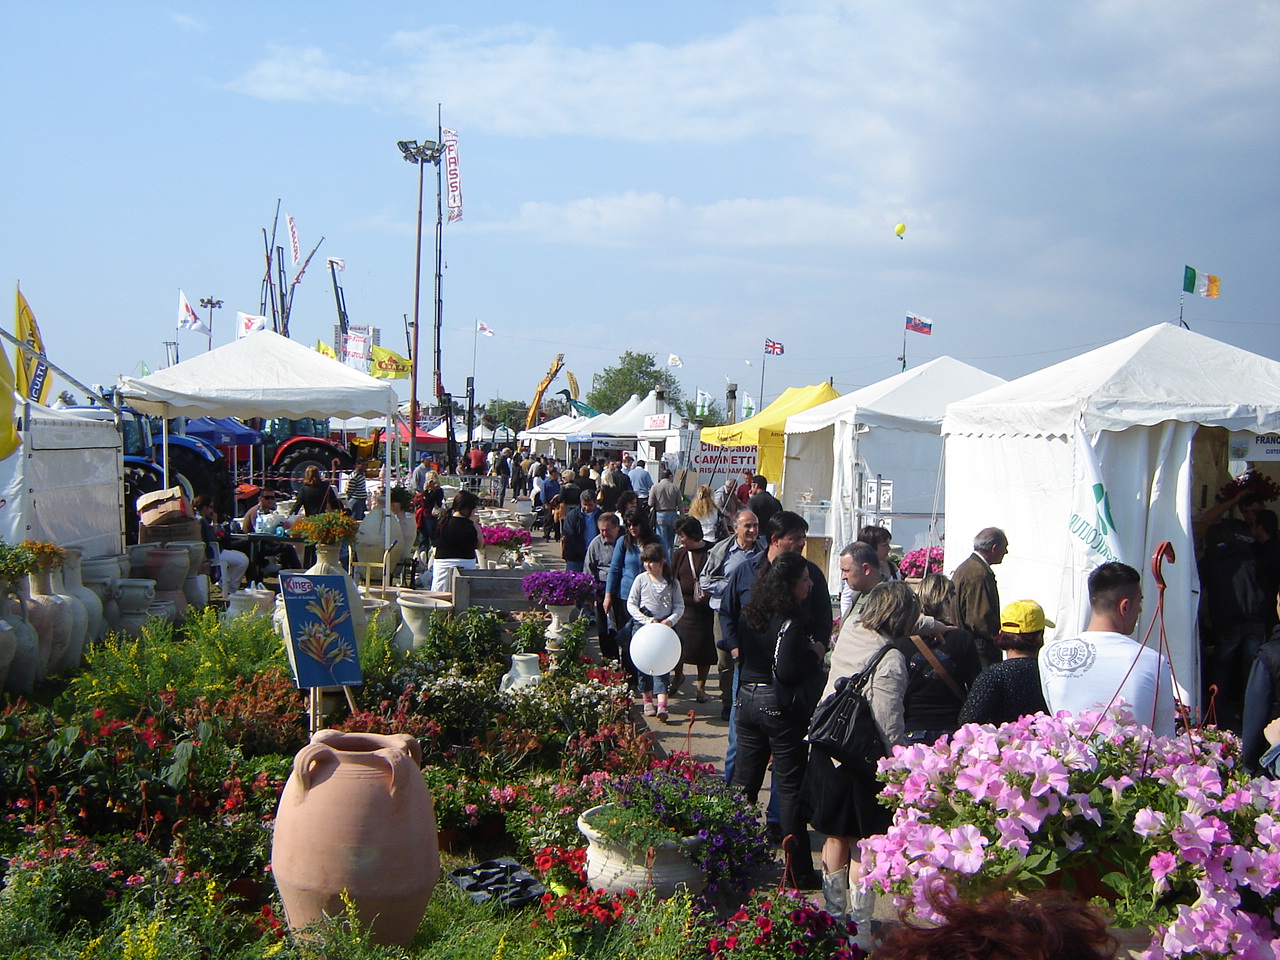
164	506
168	532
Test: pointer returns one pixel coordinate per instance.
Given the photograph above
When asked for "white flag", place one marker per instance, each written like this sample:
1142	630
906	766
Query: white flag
674	361
338	263
484	328
188	319
293	239
247	324
1093	531
748	406
452	178
704	402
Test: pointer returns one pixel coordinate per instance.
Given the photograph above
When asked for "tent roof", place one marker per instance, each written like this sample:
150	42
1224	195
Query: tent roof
617	423
222	431
772	419
261	375
918	396
551	427
1159	374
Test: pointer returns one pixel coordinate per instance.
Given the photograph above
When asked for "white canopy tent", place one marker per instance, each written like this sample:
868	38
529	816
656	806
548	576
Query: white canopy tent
261	375
890	430
543	437
1153	413
64	483
625	422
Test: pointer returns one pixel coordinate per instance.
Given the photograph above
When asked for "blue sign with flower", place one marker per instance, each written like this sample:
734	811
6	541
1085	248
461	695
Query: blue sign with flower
323	650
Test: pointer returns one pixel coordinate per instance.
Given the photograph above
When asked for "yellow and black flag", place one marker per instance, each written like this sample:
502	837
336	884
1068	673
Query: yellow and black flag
34	382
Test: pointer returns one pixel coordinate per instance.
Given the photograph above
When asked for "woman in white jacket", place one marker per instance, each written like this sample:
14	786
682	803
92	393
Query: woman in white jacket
655	597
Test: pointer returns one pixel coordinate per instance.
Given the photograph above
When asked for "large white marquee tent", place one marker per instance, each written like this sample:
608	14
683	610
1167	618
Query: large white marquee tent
890	429
1149	418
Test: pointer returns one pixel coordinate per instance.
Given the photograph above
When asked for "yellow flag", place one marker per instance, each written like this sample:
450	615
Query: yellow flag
327	350
33	380
9	438
388	365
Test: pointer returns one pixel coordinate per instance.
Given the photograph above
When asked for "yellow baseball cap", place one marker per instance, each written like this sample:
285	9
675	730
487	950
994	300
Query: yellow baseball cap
1024	616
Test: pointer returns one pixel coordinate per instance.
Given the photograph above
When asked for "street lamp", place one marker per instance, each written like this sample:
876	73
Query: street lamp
429	151
212	305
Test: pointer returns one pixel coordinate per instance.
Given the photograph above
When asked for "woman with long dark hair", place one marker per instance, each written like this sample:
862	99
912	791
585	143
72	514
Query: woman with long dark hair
696	627
457	539
933	699
774	645
315	496
625	566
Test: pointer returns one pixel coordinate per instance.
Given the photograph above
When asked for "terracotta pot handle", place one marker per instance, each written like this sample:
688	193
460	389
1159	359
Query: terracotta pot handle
401	764
311	753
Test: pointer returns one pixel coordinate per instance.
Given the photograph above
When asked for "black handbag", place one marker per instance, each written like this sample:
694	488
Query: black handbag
843	726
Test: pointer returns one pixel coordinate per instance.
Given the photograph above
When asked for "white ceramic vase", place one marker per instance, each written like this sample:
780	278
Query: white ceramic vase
327	565
73	583
616	868
26	657
415	614
525	671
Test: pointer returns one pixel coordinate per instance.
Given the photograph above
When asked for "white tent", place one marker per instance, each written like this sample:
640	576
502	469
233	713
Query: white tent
1153	411
545	436
890	430
623	424
64	482
261	375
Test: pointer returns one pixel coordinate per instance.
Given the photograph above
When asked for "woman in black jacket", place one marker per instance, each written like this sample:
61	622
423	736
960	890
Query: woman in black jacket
773	640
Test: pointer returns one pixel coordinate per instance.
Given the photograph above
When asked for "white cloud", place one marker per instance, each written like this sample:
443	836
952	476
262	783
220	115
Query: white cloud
190	24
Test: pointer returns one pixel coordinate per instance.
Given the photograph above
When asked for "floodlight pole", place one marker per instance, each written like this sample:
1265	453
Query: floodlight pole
211	304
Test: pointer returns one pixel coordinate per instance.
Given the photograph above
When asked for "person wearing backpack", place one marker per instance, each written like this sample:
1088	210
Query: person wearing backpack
842	797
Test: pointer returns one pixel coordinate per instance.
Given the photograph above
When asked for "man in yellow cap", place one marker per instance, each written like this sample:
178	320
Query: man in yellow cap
1010	688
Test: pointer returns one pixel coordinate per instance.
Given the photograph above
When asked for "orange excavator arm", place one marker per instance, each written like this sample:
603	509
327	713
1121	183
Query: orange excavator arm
556	366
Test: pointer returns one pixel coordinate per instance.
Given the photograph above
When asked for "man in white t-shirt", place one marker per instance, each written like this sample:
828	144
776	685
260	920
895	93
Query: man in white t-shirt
1087	672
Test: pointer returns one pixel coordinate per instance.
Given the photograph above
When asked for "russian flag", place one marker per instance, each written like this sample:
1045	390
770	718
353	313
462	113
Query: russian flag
919	324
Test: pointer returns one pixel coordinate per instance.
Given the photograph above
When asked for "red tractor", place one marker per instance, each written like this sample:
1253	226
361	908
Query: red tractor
290	446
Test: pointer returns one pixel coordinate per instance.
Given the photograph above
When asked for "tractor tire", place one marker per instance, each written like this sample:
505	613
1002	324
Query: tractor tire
293	465
204	478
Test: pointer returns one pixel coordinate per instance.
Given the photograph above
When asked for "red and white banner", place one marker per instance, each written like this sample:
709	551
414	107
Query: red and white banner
355	347
452	176
247	324
293	239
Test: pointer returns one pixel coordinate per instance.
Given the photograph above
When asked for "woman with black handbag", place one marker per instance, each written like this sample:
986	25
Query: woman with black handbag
841	797
780	671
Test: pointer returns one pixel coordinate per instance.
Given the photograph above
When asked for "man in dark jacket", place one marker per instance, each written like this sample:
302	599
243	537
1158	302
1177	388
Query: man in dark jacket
977	603
762	503
580	527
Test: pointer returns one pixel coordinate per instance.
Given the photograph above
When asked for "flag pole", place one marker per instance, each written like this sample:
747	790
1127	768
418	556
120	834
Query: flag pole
763	357
1182	300
903	358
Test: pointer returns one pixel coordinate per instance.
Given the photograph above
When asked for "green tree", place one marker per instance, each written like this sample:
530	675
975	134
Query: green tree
713	416
636	373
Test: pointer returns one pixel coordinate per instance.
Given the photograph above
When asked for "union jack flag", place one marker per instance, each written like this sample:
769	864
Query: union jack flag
772	347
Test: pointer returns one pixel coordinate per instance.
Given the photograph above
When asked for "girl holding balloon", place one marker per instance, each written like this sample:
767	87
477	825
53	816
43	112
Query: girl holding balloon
655	597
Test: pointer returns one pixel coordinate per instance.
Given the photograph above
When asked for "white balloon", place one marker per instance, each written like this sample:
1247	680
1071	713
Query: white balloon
655	649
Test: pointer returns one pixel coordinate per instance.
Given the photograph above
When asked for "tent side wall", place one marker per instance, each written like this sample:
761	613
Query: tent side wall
1023	485
806	467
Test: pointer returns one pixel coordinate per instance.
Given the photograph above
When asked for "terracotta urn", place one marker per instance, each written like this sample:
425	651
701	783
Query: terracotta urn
356	816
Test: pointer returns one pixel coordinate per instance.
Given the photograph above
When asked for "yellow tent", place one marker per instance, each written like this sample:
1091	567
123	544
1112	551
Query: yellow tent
765	430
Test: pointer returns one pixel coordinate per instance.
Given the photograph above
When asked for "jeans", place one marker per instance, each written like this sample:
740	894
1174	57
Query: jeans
1234	648
764	731
666	529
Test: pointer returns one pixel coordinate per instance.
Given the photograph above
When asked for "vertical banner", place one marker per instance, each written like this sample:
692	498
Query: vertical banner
452	177
293	239
1093	530
32	375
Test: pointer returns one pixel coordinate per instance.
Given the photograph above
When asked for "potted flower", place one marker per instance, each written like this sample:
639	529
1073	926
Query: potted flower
1168	831
505	537
48	556
559	591
676	824
16	561
921	562
326	529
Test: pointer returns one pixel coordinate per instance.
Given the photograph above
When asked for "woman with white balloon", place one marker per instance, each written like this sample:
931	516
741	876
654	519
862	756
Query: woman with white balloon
655	598
778	666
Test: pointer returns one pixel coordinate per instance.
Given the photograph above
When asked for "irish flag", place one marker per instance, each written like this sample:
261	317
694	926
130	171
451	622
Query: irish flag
1205	284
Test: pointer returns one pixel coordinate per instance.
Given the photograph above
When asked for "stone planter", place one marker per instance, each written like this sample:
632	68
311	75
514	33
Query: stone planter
168	567
138	553
73	584
356	817
525	672
26	657
615	868
133	596
52	619
415	614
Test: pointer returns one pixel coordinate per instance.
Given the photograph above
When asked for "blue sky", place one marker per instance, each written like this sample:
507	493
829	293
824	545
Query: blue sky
671	177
